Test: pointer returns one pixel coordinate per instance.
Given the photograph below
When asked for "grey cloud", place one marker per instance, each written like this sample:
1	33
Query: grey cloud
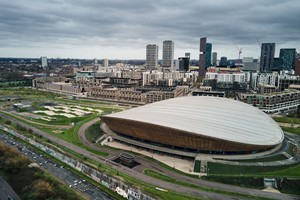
132	24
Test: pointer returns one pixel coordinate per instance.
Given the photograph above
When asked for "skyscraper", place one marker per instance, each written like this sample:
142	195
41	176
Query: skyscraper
44	62
168	53
287	59
267	57
202	58
223	61
214	58
208	55
151	56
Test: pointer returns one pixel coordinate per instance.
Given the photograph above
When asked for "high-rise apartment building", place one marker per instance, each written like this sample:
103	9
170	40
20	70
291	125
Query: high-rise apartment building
44	62
151	56
105	62
208	55
168	54
202	58
267	57
287	59
214	58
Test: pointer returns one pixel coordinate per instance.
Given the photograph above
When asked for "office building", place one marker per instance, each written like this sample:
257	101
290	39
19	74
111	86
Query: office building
214	58
223	61
287	59
168	54
267	57
208	55
151	56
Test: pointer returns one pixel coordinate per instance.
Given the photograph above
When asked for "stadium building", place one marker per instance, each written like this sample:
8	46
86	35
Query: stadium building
187	126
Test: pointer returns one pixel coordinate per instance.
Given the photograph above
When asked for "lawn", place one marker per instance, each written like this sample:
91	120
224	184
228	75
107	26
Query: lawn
287	120
291	130
236	170
93	132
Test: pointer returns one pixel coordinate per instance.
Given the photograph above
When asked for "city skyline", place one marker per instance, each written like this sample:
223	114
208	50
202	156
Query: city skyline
121	30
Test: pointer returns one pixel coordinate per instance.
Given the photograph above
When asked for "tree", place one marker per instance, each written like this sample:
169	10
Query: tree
43	189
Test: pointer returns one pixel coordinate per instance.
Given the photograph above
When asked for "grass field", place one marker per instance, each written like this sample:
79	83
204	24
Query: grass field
291	130
284	119
236	170
266	159
93	132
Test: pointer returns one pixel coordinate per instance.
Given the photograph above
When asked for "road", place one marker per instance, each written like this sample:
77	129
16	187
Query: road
70	179
146	164
6	191
170	186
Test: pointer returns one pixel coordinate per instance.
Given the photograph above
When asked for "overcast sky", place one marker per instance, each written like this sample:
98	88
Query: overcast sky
119	29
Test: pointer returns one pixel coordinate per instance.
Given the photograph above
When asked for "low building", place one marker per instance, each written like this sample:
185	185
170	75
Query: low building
209	93
286	101
267	89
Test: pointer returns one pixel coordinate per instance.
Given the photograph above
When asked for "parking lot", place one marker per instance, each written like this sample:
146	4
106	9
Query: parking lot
72	180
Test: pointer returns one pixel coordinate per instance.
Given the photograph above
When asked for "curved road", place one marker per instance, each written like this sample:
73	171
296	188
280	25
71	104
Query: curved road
170	186
152	165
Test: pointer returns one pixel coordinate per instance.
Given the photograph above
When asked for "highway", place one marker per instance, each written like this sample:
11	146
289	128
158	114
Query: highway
70	179
6	191
166	185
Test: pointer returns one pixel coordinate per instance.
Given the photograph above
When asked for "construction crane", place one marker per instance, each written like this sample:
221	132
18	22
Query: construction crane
240	51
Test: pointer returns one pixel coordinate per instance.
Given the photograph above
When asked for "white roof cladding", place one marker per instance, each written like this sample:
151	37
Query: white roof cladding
210	116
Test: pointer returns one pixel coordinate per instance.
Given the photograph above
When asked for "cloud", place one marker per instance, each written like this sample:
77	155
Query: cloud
122	29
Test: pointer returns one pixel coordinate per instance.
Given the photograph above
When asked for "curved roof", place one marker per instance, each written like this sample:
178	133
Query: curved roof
215	117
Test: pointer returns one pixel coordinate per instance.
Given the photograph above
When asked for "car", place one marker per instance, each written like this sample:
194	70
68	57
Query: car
10	198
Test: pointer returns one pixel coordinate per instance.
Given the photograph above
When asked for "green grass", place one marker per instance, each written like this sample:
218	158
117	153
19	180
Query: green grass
93	132
266	159
285	119
236	170
249	182
59	120
197	166
291	130
169	179
292	171
70	135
